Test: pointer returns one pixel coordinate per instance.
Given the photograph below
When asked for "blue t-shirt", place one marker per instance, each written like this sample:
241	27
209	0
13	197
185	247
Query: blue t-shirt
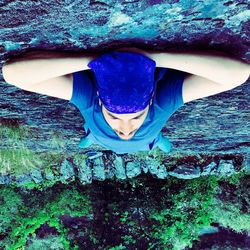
167	99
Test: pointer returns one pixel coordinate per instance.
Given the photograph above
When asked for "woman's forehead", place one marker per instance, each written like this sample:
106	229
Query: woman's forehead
124	115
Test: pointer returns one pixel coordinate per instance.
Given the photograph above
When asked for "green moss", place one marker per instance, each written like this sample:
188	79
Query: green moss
20	159
230	216
52	242
27	220
235	179
123	217
120	247
165	214
178	225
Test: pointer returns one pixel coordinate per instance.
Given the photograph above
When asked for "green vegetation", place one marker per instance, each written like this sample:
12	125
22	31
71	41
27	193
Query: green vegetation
51	242
188	210
21	159
21	219
156	214
232	206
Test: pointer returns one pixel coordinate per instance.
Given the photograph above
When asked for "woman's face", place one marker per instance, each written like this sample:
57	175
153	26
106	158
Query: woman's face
125	125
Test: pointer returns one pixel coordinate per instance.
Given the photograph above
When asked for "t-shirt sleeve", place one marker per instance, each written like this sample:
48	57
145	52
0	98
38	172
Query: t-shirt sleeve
83	89
169	90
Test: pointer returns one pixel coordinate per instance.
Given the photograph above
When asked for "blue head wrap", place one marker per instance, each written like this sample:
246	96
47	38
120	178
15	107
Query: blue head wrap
125	81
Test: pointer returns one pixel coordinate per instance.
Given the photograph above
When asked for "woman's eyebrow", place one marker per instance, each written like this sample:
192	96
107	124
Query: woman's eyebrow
132	118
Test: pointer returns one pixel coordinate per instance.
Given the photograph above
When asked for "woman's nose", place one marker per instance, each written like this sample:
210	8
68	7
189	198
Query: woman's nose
125	133
126	129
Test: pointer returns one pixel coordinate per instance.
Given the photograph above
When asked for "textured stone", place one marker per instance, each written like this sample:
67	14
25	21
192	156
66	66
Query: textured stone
144	167
66	172
36	175
48	174
110	170
119	168
208	230
92	155
246	163
157	170
133	169
5	179
22	180
85	172
185	172
225	168
102	168
208	169
98	169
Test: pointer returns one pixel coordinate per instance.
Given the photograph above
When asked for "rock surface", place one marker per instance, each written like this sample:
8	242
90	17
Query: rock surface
217	124
95	168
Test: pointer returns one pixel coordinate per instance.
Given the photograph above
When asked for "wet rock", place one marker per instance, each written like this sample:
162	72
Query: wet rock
225	168
157	170
246	163
36	175
22	180
208	169
66	172
98	169
110	170
85	172
185	172
133	169
5	179
119	168
93	154
144	167
209	230
48	174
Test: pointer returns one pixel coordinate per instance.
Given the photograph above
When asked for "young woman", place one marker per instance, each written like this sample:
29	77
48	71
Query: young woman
126	96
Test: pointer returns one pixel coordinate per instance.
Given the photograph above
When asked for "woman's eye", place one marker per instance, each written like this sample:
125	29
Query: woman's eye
132	119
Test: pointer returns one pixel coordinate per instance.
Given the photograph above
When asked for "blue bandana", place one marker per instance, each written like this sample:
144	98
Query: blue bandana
125	81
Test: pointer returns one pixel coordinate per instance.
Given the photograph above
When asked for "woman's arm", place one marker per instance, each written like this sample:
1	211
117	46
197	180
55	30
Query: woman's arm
38	66
213	65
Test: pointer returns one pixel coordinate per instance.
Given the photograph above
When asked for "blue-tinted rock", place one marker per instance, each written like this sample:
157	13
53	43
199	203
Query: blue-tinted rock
208	169
98	169
109	172
85	172
246	163
208	230
36	175
66	171
5	179
225	168
133	169
24	179
93	155
144	167
185	172
162	172
156	169
48	174
119	168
